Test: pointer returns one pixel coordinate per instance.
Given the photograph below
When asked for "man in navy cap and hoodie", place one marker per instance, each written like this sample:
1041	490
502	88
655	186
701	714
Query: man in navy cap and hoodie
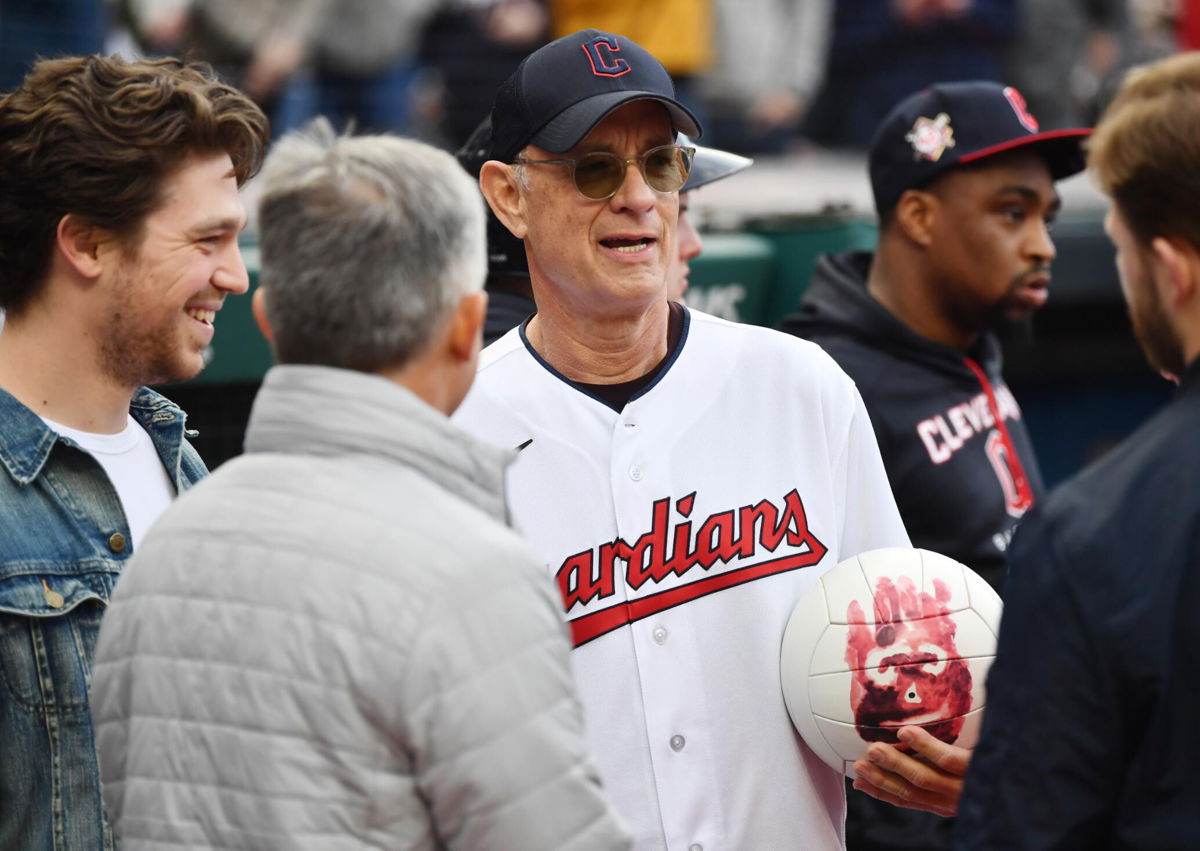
964	187
685	478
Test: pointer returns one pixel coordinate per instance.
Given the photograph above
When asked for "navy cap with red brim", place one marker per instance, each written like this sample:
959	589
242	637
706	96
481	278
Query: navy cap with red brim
953	124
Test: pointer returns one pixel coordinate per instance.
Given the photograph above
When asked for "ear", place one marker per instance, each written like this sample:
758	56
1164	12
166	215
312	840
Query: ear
465	333
258	306
498	182
915	214
79	242
1179	268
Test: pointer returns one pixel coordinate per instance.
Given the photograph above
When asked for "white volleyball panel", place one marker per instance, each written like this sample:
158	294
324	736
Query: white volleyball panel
829	696
839	744
829	653
972	637
892	562
939	572
972	724
844	584
984	600
843	744
979	670
829	741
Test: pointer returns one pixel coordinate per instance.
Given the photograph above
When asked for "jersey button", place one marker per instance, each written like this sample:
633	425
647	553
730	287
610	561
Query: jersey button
116	542
695	846
677	743
635	473
660	635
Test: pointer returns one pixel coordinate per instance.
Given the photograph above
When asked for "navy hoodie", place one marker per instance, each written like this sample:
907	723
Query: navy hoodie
961	481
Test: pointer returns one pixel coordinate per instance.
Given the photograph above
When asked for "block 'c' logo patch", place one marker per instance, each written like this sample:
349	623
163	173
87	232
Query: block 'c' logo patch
602	53
1017	101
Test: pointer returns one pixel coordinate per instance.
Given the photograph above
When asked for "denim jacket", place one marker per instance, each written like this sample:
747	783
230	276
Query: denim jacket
63	542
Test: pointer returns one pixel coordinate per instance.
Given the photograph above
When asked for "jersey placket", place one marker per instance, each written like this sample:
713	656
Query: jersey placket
670	669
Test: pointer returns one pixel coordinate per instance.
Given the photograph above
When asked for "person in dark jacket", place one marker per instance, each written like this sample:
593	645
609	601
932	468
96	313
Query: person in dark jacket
964	188
1090	733
510	295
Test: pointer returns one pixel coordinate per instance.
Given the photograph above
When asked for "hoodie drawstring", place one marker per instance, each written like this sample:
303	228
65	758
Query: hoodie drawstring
1021	500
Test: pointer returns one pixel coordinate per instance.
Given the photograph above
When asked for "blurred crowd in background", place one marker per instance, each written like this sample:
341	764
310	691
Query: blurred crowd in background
767	77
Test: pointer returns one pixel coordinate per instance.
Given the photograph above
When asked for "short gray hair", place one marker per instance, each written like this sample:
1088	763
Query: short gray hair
368	243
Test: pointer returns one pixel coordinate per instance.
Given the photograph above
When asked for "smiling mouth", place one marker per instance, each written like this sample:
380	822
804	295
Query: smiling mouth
628	246
205	316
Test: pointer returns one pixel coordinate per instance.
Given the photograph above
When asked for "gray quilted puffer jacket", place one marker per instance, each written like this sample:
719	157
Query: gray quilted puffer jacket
335	642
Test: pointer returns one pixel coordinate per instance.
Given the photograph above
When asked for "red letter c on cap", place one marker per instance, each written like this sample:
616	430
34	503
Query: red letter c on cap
1017	101
602	53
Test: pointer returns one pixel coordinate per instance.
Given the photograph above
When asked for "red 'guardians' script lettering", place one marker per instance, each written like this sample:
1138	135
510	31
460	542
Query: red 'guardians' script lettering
687	547
906	667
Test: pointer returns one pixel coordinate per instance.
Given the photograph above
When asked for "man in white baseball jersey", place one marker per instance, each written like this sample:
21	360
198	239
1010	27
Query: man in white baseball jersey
685	478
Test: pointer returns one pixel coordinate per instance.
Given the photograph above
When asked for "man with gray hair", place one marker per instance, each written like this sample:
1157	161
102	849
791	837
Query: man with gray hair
335	641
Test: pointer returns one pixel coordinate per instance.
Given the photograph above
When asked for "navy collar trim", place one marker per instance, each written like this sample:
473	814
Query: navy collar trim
663	369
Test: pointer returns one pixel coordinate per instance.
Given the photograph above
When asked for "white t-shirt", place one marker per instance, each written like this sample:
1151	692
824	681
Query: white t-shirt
133	467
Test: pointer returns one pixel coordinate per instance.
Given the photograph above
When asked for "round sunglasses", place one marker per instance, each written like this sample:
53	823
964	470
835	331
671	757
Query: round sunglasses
599	174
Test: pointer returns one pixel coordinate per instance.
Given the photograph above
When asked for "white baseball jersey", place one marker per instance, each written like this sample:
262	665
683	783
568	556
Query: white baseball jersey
681	531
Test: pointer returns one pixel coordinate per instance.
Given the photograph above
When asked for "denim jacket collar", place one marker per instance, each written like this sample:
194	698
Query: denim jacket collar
26	441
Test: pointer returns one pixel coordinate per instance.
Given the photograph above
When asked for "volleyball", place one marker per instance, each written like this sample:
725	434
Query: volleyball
889	638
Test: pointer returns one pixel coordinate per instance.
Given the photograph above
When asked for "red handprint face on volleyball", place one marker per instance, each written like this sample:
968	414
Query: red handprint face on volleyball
906	667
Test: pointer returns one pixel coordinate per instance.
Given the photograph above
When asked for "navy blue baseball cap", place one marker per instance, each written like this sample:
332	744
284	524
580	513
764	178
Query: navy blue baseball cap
562	90
954	124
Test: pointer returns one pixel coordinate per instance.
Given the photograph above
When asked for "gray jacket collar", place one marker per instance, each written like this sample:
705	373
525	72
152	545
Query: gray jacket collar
319	410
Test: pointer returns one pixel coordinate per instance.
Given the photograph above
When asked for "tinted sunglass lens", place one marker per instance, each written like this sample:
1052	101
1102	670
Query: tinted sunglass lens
598	175
666	168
